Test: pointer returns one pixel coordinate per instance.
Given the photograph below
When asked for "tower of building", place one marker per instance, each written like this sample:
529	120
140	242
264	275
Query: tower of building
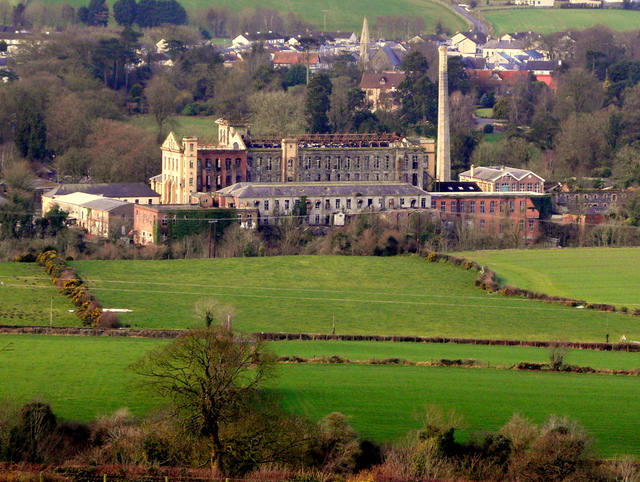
443	153
363	60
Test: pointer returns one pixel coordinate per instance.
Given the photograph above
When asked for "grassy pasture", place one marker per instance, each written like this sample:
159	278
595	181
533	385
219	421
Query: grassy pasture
26	296
84	377
199	126
592	274
548	20
340	15
491	356
383	296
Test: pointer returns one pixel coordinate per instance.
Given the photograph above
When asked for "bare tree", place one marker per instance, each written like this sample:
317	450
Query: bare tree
212	312
212	377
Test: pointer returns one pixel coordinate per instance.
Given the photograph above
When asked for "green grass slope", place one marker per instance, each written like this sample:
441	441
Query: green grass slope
599	275
546	20
27	297
84	377
357	295
340	15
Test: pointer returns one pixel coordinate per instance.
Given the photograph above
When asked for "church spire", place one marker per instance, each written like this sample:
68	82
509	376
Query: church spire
363	60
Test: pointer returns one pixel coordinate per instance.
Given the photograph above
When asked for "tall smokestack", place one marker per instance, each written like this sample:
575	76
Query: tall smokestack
443	157
363	60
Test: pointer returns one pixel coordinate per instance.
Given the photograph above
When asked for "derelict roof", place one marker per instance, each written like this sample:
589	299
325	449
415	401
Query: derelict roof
297	189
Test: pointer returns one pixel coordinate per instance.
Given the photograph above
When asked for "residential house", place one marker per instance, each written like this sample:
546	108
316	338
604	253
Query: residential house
249	39
500	81
509	47
290	58
321	204
503	179
468	44
380	89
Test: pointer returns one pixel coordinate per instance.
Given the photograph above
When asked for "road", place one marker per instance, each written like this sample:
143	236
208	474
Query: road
477	24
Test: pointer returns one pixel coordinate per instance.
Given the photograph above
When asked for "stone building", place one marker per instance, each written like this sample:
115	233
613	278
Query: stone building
320	204
503	179
190	165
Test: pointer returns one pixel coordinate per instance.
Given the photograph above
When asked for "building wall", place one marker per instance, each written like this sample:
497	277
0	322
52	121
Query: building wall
490	214
321	210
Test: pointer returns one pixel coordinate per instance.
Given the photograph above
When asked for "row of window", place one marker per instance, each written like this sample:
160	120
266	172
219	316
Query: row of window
517	187
338	162
470	206
339	203
506	225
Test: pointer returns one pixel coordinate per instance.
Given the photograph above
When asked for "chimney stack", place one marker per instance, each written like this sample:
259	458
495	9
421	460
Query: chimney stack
443	159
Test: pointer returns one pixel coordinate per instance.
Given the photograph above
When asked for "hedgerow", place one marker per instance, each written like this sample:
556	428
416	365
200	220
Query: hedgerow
88	308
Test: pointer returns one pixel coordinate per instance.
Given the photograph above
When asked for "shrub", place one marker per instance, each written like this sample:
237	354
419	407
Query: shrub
108	320
25	258
488	129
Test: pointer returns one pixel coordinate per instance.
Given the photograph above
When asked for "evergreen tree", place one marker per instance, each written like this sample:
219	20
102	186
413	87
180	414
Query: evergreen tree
96	14
124	12
317	105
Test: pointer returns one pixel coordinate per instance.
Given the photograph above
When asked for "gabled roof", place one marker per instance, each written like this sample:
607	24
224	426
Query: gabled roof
452	186
491	173
105	204
314	189
112	190
290	58
392	56
385	80
504	45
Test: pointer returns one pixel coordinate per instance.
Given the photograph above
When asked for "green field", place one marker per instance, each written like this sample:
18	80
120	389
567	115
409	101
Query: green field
340	16
199	126
592	274
27	297
360	295
84	377
548	20
485	355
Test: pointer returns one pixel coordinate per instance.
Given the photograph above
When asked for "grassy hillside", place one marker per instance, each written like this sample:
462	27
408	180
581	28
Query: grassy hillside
84	377
545	20
340	15
357	295
594	274
27	297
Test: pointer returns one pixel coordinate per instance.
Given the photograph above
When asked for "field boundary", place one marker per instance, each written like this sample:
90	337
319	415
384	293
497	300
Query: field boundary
277	336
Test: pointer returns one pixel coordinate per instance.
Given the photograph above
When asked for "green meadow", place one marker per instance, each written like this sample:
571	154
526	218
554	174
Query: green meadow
597	275
84	377
198	126
351	295
340	15
548	20
27	297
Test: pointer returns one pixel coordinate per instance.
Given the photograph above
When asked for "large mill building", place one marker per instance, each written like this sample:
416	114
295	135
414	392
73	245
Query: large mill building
192	165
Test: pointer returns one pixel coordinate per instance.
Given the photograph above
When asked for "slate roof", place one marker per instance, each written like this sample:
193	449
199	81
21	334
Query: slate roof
452	186
297	189
504	45
105	204
491	173
114	190
385	80
392	56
